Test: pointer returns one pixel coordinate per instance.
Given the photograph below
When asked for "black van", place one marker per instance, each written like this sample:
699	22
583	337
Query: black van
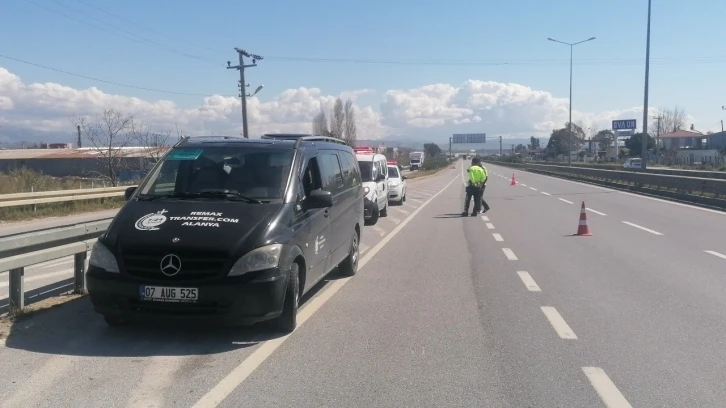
230	231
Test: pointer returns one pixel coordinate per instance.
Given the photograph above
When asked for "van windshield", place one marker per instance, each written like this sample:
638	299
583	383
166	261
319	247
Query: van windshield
249	171
366	171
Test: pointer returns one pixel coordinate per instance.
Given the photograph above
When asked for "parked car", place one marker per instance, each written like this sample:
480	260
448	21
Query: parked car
230	231
374	174
633	163
396	185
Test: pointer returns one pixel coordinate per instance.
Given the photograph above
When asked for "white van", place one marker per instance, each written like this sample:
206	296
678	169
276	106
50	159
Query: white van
374	177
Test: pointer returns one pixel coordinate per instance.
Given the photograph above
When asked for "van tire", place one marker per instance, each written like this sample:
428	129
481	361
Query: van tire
384	211
374	215
287	321
349	266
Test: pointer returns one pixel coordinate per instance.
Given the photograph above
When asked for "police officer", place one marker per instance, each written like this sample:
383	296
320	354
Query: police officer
475	189
484	204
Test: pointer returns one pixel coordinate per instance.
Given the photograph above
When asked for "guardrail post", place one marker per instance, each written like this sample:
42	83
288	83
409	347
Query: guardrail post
17	289
80	272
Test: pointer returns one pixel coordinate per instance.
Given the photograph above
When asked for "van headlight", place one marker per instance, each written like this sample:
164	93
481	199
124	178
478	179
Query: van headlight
102	258
366	190
266	257
393	184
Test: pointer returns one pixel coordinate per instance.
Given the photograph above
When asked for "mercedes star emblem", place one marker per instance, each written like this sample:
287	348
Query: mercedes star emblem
170	265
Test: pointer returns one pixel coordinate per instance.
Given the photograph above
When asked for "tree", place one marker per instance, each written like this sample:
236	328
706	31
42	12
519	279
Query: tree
635	144
534	143
431	149
520	148
108	135
320	124
604	138
337	120
351	131
154	144
671	120
559	142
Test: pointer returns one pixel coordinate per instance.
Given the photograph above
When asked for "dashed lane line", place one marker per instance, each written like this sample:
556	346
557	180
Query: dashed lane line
510	254
498	237
596	212
714	253
239	374
484	218
605	388
533	189
528	281
490	225
566	201
558	323
642	228
523	185
547	194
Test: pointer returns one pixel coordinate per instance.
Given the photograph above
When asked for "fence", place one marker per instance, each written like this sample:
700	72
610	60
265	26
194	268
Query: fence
25	249
709	192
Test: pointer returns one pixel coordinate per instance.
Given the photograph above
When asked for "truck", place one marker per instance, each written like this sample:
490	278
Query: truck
416	159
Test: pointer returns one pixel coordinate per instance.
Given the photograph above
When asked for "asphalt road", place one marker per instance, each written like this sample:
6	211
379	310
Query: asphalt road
503	310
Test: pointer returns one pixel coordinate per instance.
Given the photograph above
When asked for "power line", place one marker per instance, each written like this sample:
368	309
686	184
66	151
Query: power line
141	40
104	80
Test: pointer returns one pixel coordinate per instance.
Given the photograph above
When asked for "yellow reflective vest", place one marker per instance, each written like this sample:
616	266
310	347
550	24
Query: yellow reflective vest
477	176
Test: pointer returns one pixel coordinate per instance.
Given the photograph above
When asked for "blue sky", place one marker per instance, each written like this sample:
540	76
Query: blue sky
687	47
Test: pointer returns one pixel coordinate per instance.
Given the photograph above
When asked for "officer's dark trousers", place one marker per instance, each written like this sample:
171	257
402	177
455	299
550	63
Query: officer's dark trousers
475	193
483	202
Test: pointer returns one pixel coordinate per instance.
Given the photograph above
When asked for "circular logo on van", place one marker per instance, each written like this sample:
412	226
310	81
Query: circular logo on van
170	265
151	222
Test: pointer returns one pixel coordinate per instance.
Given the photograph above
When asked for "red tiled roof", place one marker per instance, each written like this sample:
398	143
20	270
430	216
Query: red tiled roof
682	133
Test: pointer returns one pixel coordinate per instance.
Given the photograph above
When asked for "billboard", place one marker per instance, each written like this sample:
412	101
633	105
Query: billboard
463	138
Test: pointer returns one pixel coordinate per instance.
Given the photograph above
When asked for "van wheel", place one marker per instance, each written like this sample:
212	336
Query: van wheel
403	200
384	211
287	322
349	266
374	216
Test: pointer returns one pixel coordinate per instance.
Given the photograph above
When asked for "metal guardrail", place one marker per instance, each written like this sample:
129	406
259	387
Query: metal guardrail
22	250
59	196
710	192
652	170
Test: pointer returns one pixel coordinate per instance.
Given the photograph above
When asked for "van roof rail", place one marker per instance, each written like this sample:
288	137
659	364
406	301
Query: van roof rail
302	137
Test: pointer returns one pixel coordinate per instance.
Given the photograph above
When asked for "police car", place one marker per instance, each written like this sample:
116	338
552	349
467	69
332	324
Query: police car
374	175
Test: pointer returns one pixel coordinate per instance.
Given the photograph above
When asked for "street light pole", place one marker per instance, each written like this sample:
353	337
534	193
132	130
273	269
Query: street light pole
644	144
569	123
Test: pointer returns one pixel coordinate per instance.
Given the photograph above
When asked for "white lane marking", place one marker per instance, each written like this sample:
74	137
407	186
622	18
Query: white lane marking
41	277
568	202
402	211
545	193
596	212
642	228
605	388
363	248
412	206
379	230
498	237
490	225
528	281
533	189
510	254
416	200
224	388
558	323
523	185
714	253
484	218
394	220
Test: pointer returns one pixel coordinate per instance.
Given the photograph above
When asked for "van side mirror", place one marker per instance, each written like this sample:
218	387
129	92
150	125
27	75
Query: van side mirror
129	192
319	199
381	177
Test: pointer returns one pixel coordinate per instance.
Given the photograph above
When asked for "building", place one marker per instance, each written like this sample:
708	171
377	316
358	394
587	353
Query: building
717	141
683	139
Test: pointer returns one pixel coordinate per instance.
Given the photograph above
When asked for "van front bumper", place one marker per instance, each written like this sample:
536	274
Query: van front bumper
224	301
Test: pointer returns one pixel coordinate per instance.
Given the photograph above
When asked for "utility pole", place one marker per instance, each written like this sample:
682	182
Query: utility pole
242	84
450	146
78	128
644	144
500	146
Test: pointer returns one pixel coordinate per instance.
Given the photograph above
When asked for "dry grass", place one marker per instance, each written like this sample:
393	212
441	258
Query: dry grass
26	181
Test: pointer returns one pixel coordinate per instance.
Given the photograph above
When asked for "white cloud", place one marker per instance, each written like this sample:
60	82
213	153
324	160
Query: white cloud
429	112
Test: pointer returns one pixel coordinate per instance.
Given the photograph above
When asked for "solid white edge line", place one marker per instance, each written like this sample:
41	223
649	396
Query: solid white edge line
510	254
596	212
568	202
239	374
605	388
642	228
498	237
714	253
558	323
529	283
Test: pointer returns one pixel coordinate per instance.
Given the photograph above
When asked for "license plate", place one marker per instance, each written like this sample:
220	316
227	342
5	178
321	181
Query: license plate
167	294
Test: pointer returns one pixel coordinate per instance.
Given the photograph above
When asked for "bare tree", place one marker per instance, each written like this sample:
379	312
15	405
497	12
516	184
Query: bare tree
153	144
108	135
671	120
337	119
320	124
351	132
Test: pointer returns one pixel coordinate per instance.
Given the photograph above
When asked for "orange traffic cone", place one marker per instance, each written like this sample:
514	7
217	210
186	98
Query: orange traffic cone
582	228
514	181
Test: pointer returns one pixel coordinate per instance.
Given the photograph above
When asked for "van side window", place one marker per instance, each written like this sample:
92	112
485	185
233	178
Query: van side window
311	179
349	174
332	174
354	169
